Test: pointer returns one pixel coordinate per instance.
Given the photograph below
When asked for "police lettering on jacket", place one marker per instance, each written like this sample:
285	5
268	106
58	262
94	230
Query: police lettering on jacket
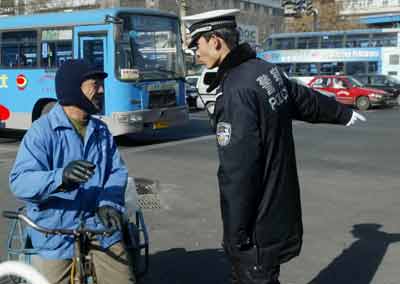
275	96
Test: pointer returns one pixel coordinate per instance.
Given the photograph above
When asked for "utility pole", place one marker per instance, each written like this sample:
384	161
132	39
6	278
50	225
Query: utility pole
315	14
182	5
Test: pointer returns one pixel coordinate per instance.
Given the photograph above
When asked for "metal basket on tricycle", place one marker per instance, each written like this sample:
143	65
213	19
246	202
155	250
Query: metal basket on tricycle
19	246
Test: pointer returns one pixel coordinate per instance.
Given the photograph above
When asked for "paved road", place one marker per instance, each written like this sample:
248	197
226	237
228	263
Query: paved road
350	193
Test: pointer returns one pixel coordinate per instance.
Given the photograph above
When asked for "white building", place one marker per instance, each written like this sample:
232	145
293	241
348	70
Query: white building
368	7
374	13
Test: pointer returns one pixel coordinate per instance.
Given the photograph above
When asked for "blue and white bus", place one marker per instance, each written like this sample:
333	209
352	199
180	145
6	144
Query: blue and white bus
368	51
140	49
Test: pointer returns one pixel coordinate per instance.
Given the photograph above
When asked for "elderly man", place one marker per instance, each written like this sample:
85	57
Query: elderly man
68	169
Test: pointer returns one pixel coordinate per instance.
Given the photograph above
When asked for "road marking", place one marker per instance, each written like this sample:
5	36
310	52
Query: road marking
168	144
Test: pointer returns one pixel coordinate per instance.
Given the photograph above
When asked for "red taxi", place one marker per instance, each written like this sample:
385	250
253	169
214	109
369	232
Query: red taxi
351	92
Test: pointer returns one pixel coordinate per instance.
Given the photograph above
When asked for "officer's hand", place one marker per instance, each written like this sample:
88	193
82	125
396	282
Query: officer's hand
76	172
355	117
110	217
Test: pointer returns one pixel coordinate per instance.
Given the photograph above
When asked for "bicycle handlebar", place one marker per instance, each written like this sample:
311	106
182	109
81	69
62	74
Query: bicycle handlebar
74	232
10	214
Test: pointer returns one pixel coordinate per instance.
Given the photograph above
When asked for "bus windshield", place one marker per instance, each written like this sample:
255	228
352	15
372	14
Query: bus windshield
149	49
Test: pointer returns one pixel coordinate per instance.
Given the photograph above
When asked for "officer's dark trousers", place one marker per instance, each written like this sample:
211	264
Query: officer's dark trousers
246	270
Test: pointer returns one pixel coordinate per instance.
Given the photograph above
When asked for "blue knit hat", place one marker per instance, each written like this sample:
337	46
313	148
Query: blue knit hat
69	78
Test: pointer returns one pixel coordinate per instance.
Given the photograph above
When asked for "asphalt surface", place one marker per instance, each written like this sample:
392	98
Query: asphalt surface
350	197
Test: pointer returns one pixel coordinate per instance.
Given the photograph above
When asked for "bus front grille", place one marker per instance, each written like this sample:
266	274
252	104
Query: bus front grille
162	98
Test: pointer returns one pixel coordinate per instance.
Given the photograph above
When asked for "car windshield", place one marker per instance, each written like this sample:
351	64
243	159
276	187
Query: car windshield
353	81
149	48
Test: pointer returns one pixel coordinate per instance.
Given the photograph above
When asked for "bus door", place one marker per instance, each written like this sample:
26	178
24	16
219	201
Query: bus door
91	45
92	49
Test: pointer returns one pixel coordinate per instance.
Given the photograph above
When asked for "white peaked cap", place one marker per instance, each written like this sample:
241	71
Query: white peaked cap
209	21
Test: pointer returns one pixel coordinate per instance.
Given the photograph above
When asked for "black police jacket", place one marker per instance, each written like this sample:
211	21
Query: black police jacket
259	188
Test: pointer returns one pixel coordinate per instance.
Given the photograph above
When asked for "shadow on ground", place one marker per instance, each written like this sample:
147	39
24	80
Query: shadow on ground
11	135
358	263
179	266
195	128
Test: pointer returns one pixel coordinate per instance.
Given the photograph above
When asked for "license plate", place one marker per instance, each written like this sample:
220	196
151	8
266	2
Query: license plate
160	125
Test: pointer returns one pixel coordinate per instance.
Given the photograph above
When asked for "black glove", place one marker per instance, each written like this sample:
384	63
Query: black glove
110	217
76	172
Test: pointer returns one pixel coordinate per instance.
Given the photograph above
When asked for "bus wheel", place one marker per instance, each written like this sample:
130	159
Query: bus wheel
363	103
210	106
47	108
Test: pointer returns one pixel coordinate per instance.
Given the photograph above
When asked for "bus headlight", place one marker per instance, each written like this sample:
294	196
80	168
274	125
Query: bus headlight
135	118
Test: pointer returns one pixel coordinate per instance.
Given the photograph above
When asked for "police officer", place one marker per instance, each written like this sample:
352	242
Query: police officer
255	107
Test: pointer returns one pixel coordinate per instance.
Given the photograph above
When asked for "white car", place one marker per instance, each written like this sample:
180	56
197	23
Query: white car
191	90
206	99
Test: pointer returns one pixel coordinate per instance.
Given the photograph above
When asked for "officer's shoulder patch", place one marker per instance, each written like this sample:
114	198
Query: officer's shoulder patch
224	131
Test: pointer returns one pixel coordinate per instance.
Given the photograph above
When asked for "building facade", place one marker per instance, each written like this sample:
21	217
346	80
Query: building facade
347	14
368	7
258	18
374	13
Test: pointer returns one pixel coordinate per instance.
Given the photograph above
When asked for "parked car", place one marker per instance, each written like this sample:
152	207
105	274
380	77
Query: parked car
191	90
206	99
323	92
387	83
351	92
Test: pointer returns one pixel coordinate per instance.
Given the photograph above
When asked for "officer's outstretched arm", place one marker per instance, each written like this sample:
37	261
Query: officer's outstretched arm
311	106
240	172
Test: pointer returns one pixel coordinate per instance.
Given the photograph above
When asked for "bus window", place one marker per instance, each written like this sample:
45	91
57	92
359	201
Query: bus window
9	55
308	42
288	68
306	69
332	41
360	40
332	68
19	49
384	39
356	68
284	43
93	52
372	67
268	44
55	53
